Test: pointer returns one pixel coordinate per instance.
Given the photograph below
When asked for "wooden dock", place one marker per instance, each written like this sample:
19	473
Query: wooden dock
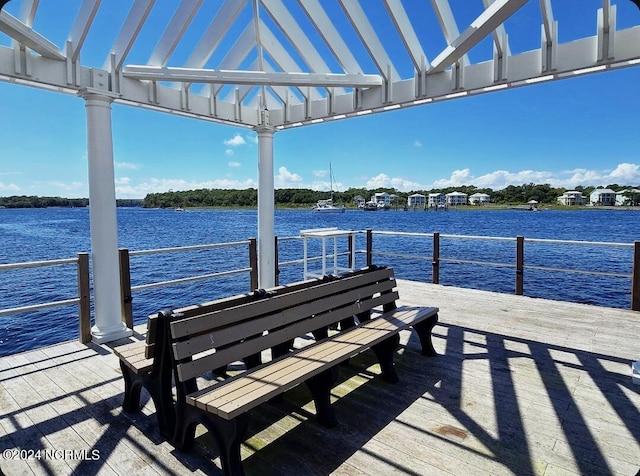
521	386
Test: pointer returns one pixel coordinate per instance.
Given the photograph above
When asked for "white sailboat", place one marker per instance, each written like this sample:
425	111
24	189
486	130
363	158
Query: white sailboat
326	205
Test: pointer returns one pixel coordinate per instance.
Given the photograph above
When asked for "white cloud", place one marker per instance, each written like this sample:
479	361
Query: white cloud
626	173
320	173
401	184
623	174
229	152
235	141
234	164
9	187
286	179
417	143
127	166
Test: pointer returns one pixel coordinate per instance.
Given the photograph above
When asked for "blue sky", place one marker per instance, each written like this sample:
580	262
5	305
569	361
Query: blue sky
581	131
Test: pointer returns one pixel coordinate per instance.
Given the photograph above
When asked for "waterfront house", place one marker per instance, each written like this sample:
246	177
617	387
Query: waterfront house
603	196
383	199
417	200
571	198
456	198
479	198
627	197
436	200
360	201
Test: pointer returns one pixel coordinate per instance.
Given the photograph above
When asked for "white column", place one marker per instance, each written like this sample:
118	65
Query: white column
104	228
266	213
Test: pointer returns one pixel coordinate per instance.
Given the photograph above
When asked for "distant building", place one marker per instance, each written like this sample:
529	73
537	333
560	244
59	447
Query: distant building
417	200
382	199
627	197
571	198
436	200
603	196
360	201
456	198
479	199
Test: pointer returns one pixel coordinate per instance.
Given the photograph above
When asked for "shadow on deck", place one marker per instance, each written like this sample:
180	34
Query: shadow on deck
550	396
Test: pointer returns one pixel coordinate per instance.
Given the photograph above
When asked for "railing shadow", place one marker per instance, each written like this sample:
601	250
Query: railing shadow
437	417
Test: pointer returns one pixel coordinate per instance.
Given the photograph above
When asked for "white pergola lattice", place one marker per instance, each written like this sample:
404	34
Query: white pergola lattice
275	64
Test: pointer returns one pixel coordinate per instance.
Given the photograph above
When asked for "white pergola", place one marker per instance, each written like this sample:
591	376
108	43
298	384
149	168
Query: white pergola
271	65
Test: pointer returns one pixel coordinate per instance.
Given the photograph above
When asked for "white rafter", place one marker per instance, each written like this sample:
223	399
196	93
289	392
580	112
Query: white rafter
81	26
219	26
407	33
370	39
490	19
448	23
307	58
25	36
128	34
173	33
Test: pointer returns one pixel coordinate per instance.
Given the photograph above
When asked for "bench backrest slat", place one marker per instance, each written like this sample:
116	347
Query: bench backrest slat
260	322
208	322
193	368
224	303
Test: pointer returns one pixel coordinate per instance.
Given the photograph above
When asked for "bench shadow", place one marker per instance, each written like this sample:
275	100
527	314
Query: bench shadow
283	437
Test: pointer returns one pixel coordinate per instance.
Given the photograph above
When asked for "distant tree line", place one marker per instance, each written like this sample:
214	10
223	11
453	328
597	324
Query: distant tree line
24	201
302	197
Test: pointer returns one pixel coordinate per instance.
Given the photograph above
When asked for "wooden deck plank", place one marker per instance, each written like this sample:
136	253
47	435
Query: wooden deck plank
521	386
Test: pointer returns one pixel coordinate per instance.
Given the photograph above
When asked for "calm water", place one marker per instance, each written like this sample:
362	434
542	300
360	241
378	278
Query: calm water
42	234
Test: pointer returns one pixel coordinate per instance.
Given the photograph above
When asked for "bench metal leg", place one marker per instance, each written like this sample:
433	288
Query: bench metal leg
385	351
281	349
228	434
159	391
320	386
132	387
423	329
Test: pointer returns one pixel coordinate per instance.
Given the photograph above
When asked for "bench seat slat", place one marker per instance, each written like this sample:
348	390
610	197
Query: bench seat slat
285	317
200	365
400	318
201	323
227	400
133	355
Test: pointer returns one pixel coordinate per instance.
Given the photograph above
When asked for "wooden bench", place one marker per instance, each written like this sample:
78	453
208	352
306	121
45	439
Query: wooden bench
209	341
140	369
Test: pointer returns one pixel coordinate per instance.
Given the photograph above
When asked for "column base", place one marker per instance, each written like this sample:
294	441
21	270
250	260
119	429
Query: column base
109	334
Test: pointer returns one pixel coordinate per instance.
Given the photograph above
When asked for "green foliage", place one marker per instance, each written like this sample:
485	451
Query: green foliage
24	201
303	197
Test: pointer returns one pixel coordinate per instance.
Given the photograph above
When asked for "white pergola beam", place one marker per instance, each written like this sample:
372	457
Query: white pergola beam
369	38
25	36
547	20
128	34
407	33
179	23
28	11
255	78
298	38
499	35
215	32
327	30
81	26
447	23
280	55
493	16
